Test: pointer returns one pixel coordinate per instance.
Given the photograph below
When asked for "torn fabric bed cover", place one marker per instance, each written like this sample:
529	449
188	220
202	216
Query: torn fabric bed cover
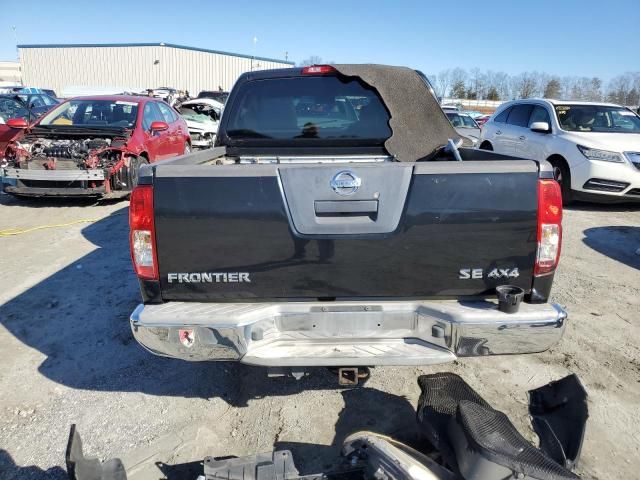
419	126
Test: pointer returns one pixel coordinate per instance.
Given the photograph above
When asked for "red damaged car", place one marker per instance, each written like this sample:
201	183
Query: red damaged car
92	146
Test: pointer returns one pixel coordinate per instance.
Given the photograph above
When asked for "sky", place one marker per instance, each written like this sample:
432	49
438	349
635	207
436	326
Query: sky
581	38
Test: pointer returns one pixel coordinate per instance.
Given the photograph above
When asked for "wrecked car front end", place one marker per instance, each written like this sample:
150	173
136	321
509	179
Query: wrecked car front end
202	117
203	133
68	162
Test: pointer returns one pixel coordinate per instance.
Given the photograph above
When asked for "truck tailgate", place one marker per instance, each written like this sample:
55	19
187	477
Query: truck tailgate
299	231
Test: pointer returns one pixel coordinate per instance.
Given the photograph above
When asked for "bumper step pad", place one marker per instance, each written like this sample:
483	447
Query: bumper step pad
352	353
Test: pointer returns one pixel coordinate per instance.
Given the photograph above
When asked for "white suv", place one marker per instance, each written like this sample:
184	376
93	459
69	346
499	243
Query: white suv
593	147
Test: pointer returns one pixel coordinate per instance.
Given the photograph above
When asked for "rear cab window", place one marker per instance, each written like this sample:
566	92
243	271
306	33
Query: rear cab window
307	111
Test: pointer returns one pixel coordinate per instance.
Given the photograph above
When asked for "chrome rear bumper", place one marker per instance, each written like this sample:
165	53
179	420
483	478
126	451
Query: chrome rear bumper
344	333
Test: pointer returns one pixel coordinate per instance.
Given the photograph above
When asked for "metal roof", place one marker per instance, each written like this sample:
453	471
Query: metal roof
157	44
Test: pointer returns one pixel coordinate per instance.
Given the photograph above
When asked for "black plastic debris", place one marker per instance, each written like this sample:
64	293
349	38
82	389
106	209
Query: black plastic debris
265	466
81	468
488	445
438	403
559	414
476	441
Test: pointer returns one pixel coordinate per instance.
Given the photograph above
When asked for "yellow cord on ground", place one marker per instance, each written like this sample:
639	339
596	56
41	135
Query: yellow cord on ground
17	231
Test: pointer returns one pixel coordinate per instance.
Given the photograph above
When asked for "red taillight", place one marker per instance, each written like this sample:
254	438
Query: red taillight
318	70
142	235
549	226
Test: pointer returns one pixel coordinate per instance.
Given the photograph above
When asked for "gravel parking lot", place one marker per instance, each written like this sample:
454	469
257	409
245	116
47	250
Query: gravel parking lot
68	357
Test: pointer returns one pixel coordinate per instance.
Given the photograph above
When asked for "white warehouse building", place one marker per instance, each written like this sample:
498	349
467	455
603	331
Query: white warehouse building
135	66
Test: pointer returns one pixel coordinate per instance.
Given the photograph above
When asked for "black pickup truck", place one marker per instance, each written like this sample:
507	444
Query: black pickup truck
337	223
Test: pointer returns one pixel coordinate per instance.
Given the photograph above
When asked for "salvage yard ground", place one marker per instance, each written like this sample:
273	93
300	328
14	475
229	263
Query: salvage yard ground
68	357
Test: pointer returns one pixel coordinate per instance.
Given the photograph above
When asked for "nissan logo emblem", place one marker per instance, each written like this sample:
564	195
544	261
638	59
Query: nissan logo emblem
345	183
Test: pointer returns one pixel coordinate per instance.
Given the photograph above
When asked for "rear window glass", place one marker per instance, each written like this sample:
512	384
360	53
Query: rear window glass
308	110
219	96
502	116
462	121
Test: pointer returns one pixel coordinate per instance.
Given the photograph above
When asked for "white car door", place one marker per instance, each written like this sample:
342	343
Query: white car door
516	128
534	144
493	130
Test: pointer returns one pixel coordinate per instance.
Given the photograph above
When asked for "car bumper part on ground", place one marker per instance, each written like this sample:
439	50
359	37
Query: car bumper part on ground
202	139
54	175
349	333
54	192
53	183
202	143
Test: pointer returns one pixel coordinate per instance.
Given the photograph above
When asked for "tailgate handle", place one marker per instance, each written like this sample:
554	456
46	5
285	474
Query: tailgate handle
348	207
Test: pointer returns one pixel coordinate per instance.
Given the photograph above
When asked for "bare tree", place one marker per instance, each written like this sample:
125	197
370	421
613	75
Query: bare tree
618	89
552	88
458	77
542	78
525	85
489	78
501	82
459	90
443	83
566	85
494	85
475	84
492	94
593	90
576	90
623	89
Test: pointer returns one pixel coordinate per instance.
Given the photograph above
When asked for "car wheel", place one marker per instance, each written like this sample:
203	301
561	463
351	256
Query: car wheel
562	175
486	146
133	171
187	149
